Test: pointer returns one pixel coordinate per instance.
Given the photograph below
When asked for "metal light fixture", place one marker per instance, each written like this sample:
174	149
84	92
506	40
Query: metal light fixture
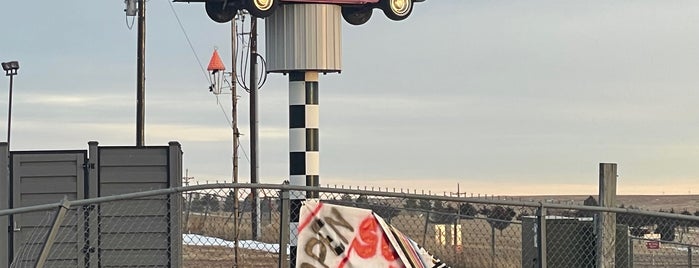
10	68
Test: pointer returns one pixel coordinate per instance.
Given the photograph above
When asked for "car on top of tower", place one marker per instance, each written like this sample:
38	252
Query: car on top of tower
355	12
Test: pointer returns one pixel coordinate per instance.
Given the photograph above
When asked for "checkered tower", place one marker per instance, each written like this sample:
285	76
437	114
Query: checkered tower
304	156
303	40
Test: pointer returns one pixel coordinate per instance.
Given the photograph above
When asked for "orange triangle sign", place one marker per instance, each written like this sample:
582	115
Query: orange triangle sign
215	63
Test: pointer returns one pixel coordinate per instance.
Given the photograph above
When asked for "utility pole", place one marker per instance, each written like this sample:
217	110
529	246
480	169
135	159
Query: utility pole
141	74
254	133
236	136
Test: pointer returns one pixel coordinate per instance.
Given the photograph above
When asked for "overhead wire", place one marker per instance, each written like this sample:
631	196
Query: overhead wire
206	76
186	36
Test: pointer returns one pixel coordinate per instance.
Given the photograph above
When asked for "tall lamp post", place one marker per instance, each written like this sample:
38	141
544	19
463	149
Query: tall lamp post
10	68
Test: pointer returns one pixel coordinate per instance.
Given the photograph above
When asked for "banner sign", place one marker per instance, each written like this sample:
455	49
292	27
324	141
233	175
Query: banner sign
333	236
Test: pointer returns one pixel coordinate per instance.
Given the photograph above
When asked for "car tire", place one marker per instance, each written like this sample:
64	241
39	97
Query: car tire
261	8
397	9
357	15
218	13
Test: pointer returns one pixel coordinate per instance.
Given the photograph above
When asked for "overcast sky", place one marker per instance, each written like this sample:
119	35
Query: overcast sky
500	96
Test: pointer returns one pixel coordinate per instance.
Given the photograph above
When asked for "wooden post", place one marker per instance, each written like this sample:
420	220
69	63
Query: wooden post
606	221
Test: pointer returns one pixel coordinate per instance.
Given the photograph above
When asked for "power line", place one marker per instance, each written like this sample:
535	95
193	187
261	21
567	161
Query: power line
186	36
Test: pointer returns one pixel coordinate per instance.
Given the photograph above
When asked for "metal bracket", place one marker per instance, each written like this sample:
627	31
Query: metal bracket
89	208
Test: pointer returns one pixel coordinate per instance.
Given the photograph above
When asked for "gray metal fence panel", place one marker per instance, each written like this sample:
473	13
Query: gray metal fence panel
139	231
44	177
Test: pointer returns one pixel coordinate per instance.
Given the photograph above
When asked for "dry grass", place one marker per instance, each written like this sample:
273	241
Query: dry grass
476	250
211	256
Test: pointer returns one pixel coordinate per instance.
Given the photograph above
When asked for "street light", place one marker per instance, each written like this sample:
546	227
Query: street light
10	68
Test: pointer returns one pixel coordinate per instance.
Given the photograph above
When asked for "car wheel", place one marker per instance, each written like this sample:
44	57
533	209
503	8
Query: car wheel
356	15
218	13
261	8
397	9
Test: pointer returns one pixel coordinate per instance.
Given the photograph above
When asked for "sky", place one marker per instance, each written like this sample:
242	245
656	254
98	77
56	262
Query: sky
498	97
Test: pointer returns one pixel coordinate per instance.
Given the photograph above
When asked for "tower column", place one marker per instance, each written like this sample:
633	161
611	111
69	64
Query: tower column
304	156
303	129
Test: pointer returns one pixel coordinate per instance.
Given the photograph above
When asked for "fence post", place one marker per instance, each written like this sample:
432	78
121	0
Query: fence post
51	236
91	210
492	246
174	215
630	251
606	223
284	233
541	217
689	256
4	204
424	232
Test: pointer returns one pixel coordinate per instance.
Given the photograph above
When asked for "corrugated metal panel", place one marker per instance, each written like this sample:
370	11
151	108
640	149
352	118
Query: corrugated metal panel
41	178
304	37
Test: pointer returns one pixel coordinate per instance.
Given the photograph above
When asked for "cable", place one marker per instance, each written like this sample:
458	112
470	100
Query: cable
201	66
245	57
263	73
206	76
230	124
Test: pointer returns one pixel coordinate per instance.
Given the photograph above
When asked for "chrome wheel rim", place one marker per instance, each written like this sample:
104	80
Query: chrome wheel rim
263	4
400	7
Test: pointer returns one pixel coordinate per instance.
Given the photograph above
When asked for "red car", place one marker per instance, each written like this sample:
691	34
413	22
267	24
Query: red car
355	12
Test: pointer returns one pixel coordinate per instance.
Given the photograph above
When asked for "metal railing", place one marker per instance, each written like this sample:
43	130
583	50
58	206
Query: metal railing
214	222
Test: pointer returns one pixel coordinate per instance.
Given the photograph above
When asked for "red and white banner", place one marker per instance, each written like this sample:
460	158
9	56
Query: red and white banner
334	236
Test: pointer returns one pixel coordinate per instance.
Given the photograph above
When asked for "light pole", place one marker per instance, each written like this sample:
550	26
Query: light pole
10	68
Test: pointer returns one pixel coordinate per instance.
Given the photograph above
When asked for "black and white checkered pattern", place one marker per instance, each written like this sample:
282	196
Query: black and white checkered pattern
303	143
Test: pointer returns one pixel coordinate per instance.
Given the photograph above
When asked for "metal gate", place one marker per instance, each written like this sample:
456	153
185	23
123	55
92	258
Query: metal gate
144	238
41	177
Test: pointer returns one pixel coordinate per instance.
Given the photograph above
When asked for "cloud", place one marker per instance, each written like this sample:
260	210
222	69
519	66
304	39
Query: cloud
74	101
38	131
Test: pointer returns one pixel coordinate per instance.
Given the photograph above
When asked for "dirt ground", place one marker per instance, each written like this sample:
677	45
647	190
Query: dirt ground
213	256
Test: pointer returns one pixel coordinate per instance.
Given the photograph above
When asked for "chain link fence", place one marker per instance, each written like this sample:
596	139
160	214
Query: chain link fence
243	225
